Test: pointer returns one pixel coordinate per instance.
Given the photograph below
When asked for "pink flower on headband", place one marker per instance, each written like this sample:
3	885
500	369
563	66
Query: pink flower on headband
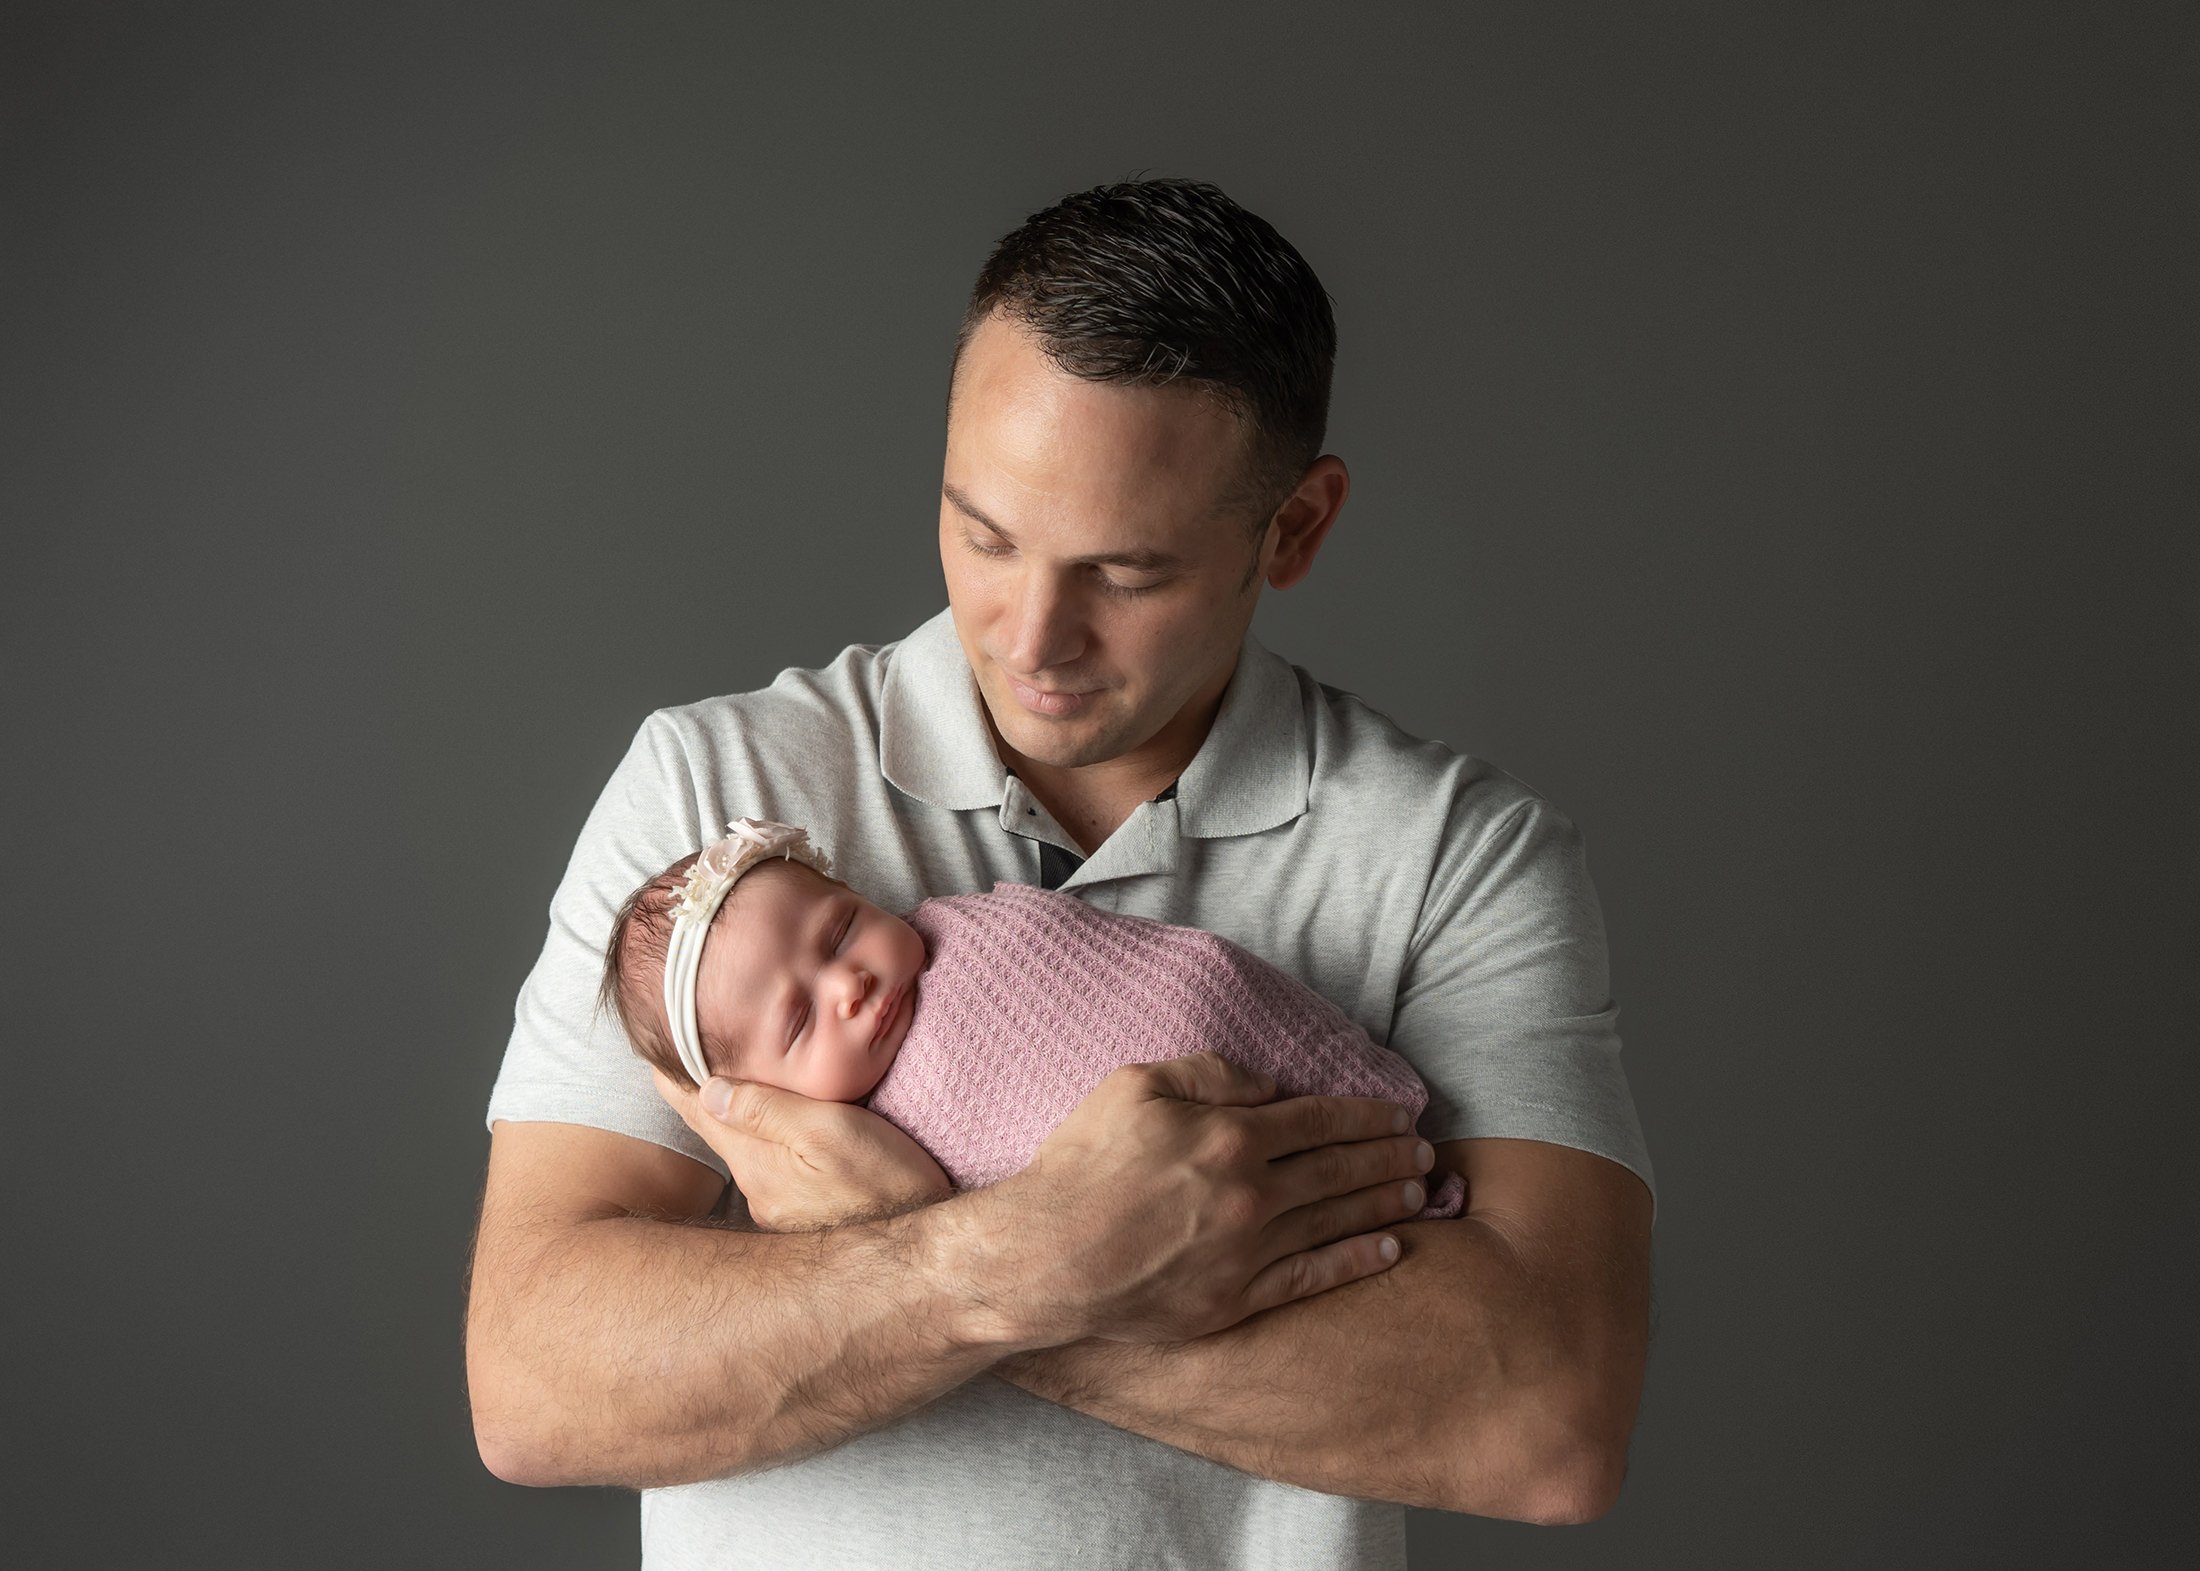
748	841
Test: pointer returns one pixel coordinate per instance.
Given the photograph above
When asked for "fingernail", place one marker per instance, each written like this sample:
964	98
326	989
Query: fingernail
1388	1249
1414	1195
1423	1157
1398	1121
717	1096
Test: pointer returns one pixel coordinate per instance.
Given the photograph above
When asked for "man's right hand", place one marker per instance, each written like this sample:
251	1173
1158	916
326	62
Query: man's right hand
1177	1199
802	1164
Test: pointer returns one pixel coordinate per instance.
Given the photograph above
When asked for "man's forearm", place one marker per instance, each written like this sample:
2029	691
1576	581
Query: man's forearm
628	1350
613	1337
1399	1387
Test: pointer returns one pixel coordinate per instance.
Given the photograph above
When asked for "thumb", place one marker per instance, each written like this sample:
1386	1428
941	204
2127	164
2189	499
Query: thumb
745	1105
751	1107
1209	1077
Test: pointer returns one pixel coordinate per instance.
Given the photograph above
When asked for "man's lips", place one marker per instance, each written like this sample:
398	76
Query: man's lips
1049	701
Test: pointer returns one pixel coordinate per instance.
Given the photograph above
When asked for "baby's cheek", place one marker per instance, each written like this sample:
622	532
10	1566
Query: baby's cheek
825	1078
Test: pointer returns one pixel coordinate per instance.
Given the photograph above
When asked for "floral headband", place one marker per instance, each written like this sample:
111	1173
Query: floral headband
717	870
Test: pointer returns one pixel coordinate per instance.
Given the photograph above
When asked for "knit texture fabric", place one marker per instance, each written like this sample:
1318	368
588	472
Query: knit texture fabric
1030	997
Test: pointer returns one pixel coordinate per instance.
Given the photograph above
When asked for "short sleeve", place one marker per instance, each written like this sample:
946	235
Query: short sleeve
1505	999
567	1061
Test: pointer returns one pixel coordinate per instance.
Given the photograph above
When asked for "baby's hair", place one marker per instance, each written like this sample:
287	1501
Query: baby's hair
634	969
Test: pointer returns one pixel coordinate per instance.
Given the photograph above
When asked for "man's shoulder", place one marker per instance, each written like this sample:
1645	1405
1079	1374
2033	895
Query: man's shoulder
1362	754
802	707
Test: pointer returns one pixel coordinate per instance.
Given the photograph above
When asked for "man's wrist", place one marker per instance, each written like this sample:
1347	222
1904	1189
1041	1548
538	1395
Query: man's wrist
972	1253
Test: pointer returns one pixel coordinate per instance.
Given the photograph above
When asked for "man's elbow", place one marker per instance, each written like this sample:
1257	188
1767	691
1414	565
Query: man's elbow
525	1435
510	1447
1559	1469
542	1455
513	1460
1578	1488
522	1429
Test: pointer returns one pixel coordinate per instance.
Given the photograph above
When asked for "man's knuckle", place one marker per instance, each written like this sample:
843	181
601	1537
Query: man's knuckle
1129	1078
1226	1143
1241	1205
1319	1125
1333	1170
1321	1223
1227	1306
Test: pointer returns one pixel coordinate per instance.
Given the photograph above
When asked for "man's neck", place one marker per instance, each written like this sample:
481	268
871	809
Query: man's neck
1092	801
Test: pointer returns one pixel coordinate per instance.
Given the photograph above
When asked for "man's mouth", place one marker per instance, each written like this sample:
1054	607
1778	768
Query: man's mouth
1049	701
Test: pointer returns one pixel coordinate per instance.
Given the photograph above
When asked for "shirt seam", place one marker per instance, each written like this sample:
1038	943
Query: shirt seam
1436	896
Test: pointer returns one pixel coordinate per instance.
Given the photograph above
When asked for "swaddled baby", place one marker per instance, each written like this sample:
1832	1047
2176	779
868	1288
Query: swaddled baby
974	1026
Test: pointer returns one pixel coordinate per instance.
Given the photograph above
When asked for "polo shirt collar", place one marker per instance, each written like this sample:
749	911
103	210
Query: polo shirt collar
1252	771
1250	774
933	743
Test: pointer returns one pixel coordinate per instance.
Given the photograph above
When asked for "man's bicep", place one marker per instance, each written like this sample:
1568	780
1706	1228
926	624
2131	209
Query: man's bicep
1504	1005
566	1061
551	1172
1578	1224
1535	1185
1572	1261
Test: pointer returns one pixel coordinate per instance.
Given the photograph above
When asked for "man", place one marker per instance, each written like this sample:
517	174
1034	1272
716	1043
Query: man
1187	1333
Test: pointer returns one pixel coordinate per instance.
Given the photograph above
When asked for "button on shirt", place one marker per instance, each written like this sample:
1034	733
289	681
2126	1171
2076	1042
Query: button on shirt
1441	904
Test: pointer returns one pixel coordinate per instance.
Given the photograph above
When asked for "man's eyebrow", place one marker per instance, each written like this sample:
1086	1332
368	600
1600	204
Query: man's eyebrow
1136	561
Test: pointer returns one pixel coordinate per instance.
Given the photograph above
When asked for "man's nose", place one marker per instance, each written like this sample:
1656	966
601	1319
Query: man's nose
1048	628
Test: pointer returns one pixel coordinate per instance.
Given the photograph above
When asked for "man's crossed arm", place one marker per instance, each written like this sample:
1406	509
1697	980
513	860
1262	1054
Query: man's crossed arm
1494	1370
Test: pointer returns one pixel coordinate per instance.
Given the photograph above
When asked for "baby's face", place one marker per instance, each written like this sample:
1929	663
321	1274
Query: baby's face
805	985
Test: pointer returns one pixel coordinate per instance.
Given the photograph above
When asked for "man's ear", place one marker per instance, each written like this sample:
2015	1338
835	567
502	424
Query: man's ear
1302	523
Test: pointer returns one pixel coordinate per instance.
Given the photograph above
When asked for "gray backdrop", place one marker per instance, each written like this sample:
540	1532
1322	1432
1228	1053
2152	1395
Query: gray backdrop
1771	430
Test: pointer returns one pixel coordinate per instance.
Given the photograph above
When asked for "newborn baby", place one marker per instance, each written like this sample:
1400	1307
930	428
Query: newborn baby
976	1025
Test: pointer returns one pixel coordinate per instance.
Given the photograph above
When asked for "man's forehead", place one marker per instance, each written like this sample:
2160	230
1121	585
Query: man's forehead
1142	542
1028	436
1118	475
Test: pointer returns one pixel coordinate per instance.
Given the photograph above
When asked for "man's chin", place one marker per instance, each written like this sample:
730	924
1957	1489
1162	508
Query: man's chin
1057	745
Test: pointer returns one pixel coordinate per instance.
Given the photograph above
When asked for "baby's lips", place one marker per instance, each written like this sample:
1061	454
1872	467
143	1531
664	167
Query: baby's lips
907	1010
887	1011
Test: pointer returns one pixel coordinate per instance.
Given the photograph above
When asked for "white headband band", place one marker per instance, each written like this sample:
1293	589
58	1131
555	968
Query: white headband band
717	870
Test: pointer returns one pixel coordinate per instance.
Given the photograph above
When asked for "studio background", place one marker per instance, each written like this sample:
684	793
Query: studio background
1771	432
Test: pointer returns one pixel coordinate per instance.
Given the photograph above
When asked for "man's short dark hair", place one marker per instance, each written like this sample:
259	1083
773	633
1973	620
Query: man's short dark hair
1154	281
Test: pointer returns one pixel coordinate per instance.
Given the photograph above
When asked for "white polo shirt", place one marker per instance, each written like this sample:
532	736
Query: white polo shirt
1436	900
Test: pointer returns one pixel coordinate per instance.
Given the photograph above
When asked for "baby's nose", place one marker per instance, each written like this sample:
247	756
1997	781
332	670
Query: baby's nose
858	989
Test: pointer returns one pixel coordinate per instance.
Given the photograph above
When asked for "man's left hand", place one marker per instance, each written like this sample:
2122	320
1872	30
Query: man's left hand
803	1164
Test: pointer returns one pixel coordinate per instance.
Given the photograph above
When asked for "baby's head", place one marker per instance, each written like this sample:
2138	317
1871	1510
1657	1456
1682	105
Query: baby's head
801	984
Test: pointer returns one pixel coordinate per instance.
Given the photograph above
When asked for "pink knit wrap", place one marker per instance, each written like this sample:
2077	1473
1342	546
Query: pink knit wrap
1030	997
